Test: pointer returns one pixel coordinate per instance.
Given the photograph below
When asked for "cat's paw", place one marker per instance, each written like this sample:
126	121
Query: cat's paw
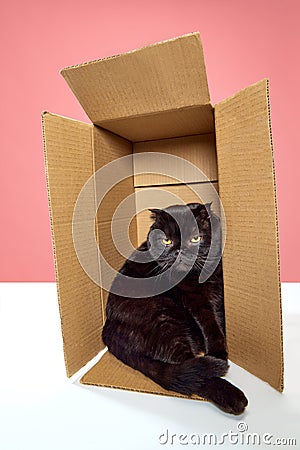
227	397
236	401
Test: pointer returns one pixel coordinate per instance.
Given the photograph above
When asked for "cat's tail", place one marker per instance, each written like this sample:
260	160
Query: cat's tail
187	377
200	376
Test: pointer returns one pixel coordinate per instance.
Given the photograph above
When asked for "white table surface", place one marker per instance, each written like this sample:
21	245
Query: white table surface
40	409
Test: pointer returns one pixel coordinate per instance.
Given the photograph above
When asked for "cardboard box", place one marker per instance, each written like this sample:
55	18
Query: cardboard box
156	99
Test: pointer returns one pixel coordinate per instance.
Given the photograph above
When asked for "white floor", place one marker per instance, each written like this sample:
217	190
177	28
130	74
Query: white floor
40	409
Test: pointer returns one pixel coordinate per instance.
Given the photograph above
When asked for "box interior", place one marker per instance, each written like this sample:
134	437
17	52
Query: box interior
231	144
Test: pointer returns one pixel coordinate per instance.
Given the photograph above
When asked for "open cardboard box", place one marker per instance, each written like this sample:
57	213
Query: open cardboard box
156	99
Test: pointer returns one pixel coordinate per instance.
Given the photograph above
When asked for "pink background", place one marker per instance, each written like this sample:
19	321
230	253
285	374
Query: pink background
243	42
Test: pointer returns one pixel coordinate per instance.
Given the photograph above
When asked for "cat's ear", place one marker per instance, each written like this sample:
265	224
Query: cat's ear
154	213
196	208
199	210
208	207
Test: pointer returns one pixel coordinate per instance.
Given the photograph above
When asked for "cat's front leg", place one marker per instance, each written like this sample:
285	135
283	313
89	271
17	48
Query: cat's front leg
215	342
205	317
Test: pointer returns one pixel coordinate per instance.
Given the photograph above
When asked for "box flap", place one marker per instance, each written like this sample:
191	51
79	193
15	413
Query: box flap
69	163
251	256
160	77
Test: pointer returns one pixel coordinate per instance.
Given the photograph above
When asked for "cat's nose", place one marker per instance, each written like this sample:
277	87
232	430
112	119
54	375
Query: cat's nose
177	252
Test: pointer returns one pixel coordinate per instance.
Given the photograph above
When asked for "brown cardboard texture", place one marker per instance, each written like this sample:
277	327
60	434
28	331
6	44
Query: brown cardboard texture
156	99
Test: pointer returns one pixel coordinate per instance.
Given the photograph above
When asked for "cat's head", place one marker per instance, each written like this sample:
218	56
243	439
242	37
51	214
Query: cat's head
179	236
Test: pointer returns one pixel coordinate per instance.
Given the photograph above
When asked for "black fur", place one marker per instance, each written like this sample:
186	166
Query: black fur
176	338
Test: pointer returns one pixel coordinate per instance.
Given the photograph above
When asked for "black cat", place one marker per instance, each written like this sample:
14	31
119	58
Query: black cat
177	337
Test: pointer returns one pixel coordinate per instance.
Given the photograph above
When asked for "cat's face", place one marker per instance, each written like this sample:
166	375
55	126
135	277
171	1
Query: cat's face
178	238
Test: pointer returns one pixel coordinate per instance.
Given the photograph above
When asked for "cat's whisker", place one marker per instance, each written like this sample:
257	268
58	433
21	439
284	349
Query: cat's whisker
153	270
158	278
160	270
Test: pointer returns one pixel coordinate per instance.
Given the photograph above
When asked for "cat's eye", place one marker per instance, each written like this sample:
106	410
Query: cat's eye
166	241
196	239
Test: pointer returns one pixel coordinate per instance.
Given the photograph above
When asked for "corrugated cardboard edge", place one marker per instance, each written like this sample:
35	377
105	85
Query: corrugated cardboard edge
159	394
43	114
194	33
97	226
277	229
164	394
